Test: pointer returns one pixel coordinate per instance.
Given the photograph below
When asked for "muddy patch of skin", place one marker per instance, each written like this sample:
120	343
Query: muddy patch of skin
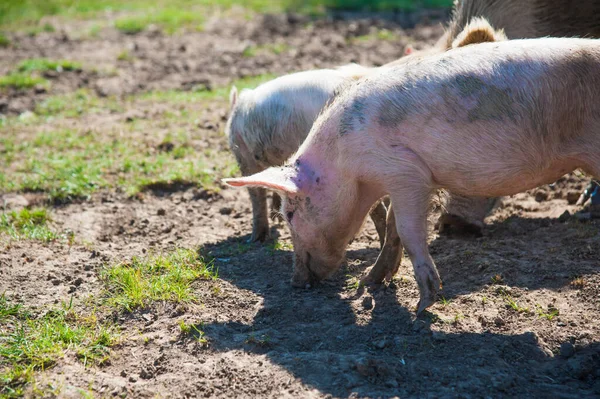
352	114
395	110
494	104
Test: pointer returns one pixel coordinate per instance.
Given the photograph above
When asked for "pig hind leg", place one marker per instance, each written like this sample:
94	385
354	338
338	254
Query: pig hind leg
390	256
378	215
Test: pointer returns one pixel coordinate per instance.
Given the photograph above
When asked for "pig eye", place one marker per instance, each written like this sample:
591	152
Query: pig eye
289	216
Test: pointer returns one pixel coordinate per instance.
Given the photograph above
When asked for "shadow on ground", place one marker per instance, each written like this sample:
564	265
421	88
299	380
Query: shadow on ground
340	340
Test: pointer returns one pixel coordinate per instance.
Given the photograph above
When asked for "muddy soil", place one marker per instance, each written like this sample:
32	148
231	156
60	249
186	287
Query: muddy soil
488	337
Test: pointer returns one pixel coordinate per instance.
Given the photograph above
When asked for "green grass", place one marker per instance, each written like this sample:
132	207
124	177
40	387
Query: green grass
30	343
219	93
514	305
21	81
193	331
550	314
275	48
171	14
170	20
44	64
125	56
37	29
75	104
4	42
31	224
25	76
158	277
73	164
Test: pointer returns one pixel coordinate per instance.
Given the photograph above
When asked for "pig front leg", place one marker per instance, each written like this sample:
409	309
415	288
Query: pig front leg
276	208
389	258
260	221
378	216
410	200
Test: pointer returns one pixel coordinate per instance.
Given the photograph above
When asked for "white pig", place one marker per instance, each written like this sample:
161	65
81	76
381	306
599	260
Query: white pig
267	125
485	120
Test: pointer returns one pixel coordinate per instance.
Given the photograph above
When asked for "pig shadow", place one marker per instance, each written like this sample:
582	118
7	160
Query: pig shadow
528	253
372	345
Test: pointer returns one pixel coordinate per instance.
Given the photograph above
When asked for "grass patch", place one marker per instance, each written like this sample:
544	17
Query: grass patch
274	48
219	93
31	224
44	64
125	56
170	20
75	104
31	343
69	165
156	277
4	42
72	163
17	80
549	314
171	14
37	29
514	305
193	331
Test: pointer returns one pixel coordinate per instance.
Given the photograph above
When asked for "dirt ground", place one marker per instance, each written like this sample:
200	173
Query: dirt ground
488	337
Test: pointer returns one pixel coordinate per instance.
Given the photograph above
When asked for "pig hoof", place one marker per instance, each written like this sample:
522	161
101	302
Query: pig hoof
424	303
368	281
258	237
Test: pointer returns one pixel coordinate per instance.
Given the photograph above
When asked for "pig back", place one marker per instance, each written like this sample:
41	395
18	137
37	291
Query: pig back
522	108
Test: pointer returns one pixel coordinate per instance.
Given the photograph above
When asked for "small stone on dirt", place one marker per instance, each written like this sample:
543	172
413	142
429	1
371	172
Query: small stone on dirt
367	303
161	212
225	210
146	374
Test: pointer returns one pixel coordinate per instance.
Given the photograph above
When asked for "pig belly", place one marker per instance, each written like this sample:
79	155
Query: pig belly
496	179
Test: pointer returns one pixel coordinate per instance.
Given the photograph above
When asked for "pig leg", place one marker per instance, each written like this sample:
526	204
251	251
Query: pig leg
390	256
410	201
378	215
260	221
258	198
276	208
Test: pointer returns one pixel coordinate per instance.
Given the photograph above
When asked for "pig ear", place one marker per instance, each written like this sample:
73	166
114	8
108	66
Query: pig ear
278	179
233	94
478	30
408	50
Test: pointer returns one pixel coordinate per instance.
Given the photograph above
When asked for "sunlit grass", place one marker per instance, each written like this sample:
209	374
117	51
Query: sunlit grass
157	277
176	13
29	224
18	80
30	343
44	64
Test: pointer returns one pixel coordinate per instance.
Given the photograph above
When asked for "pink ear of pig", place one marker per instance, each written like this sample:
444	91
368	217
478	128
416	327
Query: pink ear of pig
278	179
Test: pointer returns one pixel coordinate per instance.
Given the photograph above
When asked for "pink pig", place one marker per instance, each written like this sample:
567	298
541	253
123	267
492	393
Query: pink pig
485	120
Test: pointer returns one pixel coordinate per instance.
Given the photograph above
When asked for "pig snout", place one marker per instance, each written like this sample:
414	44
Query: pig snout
308	270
